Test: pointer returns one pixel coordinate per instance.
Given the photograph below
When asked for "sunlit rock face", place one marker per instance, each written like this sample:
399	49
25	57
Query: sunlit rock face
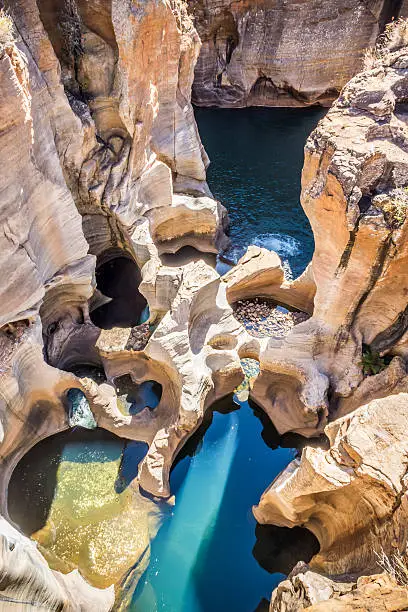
354	193
146	141
260	273
94	144
318	593
43	249
352	496
271	53
346	364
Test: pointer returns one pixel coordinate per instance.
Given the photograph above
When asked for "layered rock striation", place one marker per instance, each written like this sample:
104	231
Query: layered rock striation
347	362
353	191
269	53
101	159
102	162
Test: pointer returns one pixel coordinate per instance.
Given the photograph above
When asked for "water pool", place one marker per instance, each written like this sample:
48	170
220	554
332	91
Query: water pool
207	555
83	513
256	162
210	556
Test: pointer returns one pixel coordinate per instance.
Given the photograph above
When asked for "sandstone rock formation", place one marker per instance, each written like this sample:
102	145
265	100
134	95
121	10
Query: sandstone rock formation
259	273
307	590
271	53
99	159
347	362
353	191
352	496
32	585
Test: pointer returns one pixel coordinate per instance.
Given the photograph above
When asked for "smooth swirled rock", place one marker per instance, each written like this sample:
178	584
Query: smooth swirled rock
354	193
353	496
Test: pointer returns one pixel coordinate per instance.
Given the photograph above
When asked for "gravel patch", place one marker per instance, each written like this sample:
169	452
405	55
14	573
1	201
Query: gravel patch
262	317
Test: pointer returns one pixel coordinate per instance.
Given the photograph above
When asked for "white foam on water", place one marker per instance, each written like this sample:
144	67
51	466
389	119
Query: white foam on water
287	269
283	244
235	253
80	412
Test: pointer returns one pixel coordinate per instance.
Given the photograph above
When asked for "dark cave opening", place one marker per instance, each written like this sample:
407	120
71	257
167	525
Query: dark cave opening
88	370
118	277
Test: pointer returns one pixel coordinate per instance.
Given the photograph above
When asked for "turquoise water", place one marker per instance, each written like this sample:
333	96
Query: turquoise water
80	413
133	398
210	555
256	162
34	482
202	559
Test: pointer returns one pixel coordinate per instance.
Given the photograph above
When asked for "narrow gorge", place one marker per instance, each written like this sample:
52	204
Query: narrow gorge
203	366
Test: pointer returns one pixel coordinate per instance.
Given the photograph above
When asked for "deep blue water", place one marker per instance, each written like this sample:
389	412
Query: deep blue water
209	555
256	162
202	558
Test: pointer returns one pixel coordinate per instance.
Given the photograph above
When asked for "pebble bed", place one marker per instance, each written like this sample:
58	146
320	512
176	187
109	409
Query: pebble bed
262	317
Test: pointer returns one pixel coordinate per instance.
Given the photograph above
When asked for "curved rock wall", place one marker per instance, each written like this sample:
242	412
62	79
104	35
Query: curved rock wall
101	153
352	496
272	53
96	149
354	193
349	358
42	244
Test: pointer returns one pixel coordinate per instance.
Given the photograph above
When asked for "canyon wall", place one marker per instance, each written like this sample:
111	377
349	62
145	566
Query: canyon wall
346	365
353	191
100	157
272	53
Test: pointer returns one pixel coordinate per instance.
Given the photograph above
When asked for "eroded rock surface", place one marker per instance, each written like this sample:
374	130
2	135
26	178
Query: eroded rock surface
307	590
354	193
346	364
101	158
352	496
273	53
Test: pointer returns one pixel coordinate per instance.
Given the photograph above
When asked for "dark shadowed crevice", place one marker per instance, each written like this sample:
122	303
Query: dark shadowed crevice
118	278
390	11
186	255
345	256
375	275
390	336
278	549
134	398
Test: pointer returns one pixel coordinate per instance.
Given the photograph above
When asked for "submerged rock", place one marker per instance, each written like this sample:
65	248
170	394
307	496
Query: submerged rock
91	515
263	318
